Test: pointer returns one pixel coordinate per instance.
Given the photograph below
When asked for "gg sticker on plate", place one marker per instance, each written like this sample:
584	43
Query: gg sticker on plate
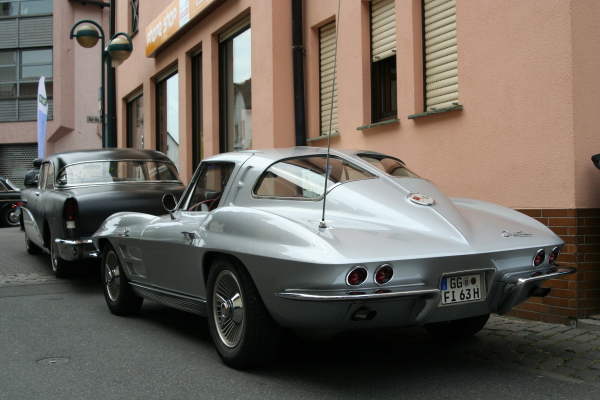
421	199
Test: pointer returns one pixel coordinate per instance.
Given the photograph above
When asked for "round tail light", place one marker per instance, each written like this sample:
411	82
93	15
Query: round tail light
356	276
539	257
553	255
384	274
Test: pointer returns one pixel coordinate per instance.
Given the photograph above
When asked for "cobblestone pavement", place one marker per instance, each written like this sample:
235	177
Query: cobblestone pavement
555	350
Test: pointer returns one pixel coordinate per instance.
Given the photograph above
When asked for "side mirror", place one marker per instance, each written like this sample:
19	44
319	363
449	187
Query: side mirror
170	204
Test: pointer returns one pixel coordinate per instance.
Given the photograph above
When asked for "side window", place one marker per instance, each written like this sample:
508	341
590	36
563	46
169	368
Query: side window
209	186
49	183
42	176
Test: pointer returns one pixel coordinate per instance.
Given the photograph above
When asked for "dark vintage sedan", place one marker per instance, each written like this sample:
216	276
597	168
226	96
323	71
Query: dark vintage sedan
78	190
10	195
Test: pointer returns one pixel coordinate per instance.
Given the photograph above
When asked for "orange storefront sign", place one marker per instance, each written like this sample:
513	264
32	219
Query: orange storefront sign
177	14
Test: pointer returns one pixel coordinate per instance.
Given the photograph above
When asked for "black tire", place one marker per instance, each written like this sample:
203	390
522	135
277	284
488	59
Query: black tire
31	247
9	217
459	328
242	329
61	267
120	298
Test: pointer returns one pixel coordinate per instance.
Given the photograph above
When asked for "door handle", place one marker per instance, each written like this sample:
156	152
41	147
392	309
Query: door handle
190	235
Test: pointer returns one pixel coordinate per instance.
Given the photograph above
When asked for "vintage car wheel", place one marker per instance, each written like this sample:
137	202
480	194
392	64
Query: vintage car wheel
242	329
458	329
119	296
31	247
61	268
10	217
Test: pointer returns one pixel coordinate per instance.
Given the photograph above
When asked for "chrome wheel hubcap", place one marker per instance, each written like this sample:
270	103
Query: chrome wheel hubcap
228	309
111	276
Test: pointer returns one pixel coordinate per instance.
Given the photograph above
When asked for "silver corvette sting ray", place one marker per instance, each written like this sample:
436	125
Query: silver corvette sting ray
247	246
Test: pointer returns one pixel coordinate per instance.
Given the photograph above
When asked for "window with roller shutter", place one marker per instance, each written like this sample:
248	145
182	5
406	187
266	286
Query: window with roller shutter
329	114
383	68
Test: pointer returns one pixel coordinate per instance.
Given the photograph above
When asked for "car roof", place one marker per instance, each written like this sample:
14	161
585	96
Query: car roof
70	157
290	152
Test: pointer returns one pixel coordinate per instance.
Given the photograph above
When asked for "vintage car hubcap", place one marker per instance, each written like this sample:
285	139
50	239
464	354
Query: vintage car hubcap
111	275
13	218
228	307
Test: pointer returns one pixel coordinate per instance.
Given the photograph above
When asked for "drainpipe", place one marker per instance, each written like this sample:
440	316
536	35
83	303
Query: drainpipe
298	51
111	90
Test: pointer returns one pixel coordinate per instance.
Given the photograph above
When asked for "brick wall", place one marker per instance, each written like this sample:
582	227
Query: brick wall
577	295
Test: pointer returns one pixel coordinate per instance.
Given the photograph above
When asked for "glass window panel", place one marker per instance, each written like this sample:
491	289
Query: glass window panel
31	89
9	8
8	90
36	71
8	74
33	7
238	97
36	57
8	57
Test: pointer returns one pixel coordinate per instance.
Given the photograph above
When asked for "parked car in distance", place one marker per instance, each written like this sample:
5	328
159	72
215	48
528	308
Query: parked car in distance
10	197
247	247
77	190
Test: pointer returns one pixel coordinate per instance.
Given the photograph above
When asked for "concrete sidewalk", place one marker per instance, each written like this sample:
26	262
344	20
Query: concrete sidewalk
563	351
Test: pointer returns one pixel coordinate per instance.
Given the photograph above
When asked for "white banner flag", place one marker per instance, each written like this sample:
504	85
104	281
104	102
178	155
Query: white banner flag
42	117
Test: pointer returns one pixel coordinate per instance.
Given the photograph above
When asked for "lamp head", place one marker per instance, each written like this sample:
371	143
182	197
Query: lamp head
119	48
87	35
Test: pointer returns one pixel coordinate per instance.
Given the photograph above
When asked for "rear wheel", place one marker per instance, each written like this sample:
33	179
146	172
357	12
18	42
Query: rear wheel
61	267
10	217
31	247
242	329
119	296
459	328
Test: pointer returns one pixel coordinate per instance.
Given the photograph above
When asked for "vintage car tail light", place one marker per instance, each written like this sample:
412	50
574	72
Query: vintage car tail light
356	276
70	215
553	255
384	274
539	257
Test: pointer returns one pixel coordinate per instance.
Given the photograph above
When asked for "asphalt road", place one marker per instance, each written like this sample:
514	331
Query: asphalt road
59	341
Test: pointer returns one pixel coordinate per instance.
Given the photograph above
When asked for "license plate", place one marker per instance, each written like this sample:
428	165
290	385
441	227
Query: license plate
460	289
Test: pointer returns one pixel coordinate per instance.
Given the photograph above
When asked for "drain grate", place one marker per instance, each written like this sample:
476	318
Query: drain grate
54	360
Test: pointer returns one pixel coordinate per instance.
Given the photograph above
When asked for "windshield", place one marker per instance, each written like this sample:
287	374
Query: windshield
117	171
389	165
305	177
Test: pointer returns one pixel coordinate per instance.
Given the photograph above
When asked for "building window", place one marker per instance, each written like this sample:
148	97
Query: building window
235	72
135	122
440	47
20	72
197	153
167	102
25	7
134	13
383	68
327	43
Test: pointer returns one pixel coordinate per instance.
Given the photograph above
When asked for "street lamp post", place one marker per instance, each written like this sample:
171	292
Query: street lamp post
118	50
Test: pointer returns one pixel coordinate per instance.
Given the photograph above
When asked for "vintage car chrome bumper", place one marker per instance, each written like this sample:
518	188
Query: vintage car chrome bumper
418	304
73	250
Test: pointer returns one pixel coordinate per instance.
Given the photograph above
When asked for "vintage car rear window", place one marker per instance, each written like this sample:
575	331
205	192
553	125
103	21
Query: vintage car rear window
389	165
305	177
117	171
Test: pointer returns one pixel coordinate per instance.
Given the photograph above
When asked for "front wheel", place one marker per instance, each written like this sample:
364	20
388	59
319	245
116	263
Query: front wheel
459	328
61	267
10	217
242	329
119	296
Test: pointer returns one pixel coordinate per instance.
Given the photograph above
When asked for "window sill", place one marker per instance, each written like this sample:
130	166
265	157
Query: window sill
433	112
323	137
375	125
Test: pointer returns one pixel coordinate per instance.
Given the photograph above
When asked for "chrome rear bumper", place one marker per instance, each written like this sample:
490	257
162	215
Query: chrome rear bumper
73	250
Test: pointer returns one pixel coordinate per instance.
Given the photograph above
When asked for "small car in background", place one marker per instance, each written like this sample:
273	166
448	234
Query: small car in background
256	246
10	197
77	190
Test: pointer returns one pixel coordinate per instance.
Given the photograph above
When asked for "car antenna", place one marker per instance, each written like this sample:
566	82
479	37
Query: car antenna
322	224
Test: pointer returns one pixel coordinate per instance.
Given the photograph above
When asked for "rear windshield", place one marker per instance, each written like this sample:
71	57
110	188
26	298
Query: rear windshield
117	171
305	177
389	165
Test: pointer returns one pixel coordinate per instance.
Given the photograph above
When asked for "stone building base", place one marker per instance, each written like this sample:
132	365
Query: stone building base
576	296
